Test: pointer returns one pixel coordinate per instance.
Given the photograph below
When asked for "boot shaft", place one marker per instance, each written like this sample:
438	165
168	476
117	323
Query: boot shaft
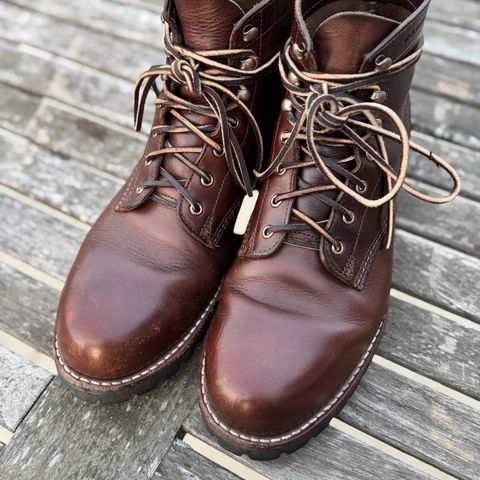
341	151
213	113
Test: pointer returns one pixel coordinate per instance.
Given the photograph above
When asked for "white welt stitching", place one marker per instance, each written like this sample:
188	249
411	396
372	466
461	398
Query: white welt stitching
302	427
151	368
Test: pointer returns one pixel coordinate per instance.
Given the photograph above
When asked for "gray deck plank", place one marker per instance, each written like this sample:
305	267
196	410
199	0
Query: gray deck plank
453	42
37	238
464	160
417	420
70	82
448	78
449	224
437	274
446	118
182	463
28	308
124	21
117	56
332	455
463	13
434	346
72	133
64	437
21	383
74	189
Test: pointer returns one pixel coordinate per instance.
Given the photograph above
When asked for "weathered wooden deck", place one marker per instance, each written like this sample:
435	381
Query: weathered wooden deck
66	73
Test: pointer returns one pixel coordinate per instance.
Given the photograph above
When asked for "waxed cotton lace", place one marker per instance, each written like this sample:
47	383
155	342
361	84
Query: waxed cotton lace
324	109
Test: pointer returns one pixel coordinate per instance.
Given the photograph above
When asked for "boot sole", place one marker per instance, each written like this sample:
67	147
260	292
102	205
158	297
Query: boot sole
93	390
262	450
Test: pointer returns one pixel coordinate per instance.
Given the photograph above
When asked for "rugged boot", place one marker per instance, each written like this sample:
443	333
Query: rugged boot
148	274
304	305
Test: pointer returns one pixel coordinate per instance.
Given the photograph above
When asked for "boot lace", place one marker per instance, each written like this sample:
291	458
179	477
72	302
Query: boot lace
324	109
209	77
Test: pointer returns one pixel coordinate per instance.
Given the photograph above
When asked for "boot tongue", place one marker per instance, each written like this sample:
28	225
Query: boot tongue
340	44
207	24
342	41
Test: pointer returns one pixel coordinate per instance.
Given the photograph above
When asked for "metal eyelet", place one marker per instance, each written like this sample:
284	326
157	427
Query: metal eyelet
383	63
140	189
274	203
196	209
148	162
379	96
250	33
248	64
350	219
283	134
363	188
219	154
234	121
299	50
338	250
281	171
266	233
293	79
209	182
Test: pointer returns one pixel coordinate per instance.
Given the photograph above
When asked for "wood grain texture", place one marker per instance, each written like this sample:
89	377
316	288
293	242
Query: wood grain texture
109	17
70	132
72	83
446	118
37	238
417	420
183	463
72	188
27	308
123	58
447	78
63	437
332	455
449	224
433	346
453	42
464	160
21	383
437	274
463	13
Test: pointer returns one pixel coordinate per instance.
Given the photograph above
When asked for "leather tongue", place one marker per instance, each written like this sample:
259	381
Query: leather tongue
341	41
207	24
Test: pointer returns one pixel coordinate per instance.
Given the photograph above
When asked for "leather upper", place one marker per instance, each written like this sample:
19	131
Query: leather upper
149	266
297	320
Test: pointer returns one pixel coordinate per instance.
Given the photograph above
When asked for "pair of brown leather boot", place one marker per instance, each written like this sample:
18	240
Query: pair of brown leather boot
314	110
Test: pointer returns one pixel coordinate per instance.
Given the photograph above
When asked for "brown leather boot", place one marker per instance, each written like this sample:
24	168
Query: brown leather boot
148	274
304	305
